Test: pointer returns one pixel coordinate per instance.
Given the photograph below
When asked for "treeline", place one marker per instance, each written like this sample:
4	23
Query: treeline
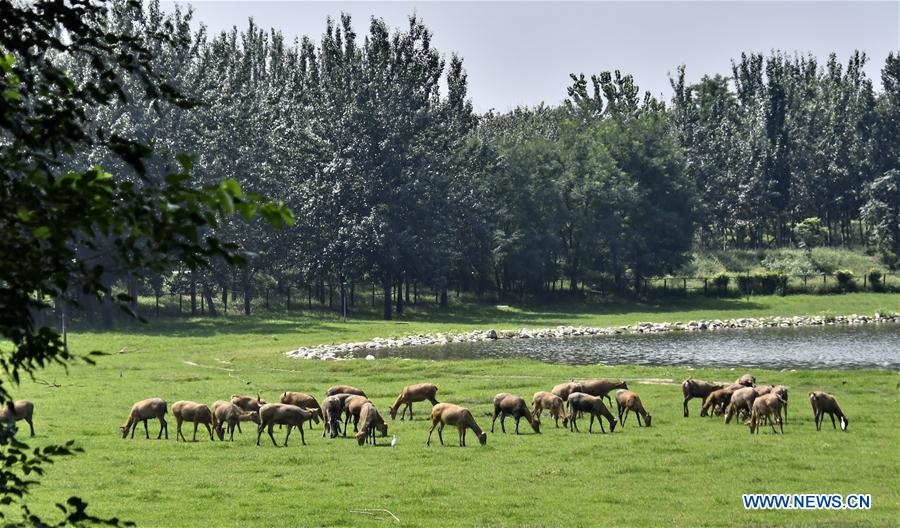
787	151
396	182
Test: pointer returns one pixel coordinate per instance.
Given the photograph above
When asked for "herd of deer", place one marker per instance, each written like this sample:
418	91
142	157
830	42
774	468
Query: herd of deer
756	403
567	401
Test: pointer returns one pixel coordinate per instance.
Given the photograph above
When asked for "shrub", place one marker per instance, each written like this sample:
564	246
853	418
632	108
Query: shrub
790	262
845	280
745	284
720	282
875	277
809	233
767	283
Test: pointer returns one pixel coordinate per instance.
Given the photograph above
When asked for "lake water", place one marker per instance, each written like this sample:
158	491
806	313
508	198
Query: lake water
863	346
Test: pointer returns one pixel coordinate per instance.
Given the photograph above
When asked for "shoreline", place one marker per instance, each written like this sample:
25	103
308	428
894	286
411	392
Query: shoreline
346	351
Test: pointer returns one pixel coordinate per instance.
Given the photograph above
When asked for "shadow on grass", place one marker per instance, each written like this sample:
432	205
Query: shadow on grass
551	313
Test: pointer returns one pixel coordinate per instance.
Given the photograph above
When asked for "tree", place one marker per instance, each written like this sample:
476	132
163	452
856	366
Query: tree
809	233
881	213
49	214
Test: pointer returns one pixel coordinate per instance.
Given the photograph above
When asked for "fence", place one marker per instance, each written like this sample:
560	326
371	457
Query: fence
365	299
746	283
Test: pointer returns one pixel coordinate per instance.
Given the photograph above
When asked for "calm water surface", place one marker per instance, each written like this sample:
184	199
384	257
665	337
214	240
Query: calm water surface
864	346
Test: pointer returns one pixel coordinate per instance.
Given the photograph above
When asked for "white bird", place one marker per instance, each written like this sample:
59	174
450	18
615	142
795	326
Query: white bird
394	441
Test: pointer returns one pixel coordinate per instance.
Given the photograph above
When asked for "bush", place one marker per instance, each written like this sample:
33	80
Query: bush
789	263
767	283
745	284
810	233
845	280
721	281
875	279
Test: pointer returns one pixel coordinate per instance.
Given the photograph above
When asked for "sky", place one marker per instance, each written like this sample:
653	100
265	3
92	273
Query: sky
521	53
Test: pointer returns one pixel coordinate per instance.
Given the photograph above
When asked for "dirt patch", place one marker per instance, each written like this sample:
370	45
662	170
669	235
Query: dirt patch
655	381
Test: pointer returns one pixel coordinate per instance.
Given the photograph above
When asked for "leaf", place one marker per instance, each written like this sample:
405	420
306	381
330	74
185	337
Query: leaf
246	209
41	233
233	188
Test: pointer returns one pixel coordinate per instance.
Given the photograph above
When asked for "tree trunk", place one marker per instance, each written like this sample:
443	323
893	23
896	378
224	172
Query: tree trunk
207	292
399	297
132	292
106	310
193	292
248	293
444	302
225	298
386	287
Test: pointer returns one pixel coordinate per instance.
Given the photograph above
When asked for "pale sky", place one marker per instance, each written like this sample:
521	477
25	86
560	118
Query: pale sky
521	53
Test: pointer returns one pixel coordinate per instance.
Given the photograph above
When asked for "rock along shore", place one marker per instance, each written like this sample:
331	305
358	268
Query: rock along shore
349	350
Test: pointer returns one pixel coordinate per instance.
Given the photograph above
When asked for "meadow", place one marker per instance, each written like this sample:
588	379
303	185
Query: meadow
682	471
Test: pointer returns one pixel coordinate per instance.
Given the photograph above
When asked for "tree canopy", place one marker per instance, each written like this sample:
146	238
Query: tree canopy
69	226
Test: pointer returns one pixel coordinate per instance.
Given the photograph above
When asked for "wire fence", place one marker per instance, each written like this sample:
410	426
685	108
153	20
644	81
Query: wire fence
368	299
770	283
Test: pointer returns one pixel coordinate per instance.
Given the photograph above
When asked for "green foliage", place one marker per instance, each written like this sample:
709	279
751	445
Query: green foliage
720	282
788	261
845	279
744	284
875	277
881	214
785	136
71	223
769	283
762	283
809	233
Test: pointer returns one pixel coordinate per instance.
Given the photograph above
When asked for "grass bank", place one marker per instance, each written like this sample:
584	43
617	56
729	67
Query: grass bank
274	332
791	261
686	472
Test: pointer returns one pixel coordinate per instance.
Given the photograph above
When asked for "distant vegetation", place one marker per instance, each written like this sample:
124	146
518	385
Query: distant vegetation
789	261
396	182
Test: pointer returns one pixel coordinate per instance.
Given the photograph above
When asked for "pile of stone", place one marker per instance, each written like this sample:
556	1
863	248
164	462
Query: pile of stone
351	350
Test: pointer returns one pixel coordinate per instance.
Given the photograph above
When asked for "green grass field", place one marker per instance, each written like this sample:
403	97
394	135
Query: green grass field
685	472
273	332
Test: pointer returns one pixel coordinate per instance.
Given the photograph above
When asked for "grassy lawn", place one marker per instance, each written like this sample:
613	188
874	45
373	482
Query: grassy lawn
273	332
686	472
